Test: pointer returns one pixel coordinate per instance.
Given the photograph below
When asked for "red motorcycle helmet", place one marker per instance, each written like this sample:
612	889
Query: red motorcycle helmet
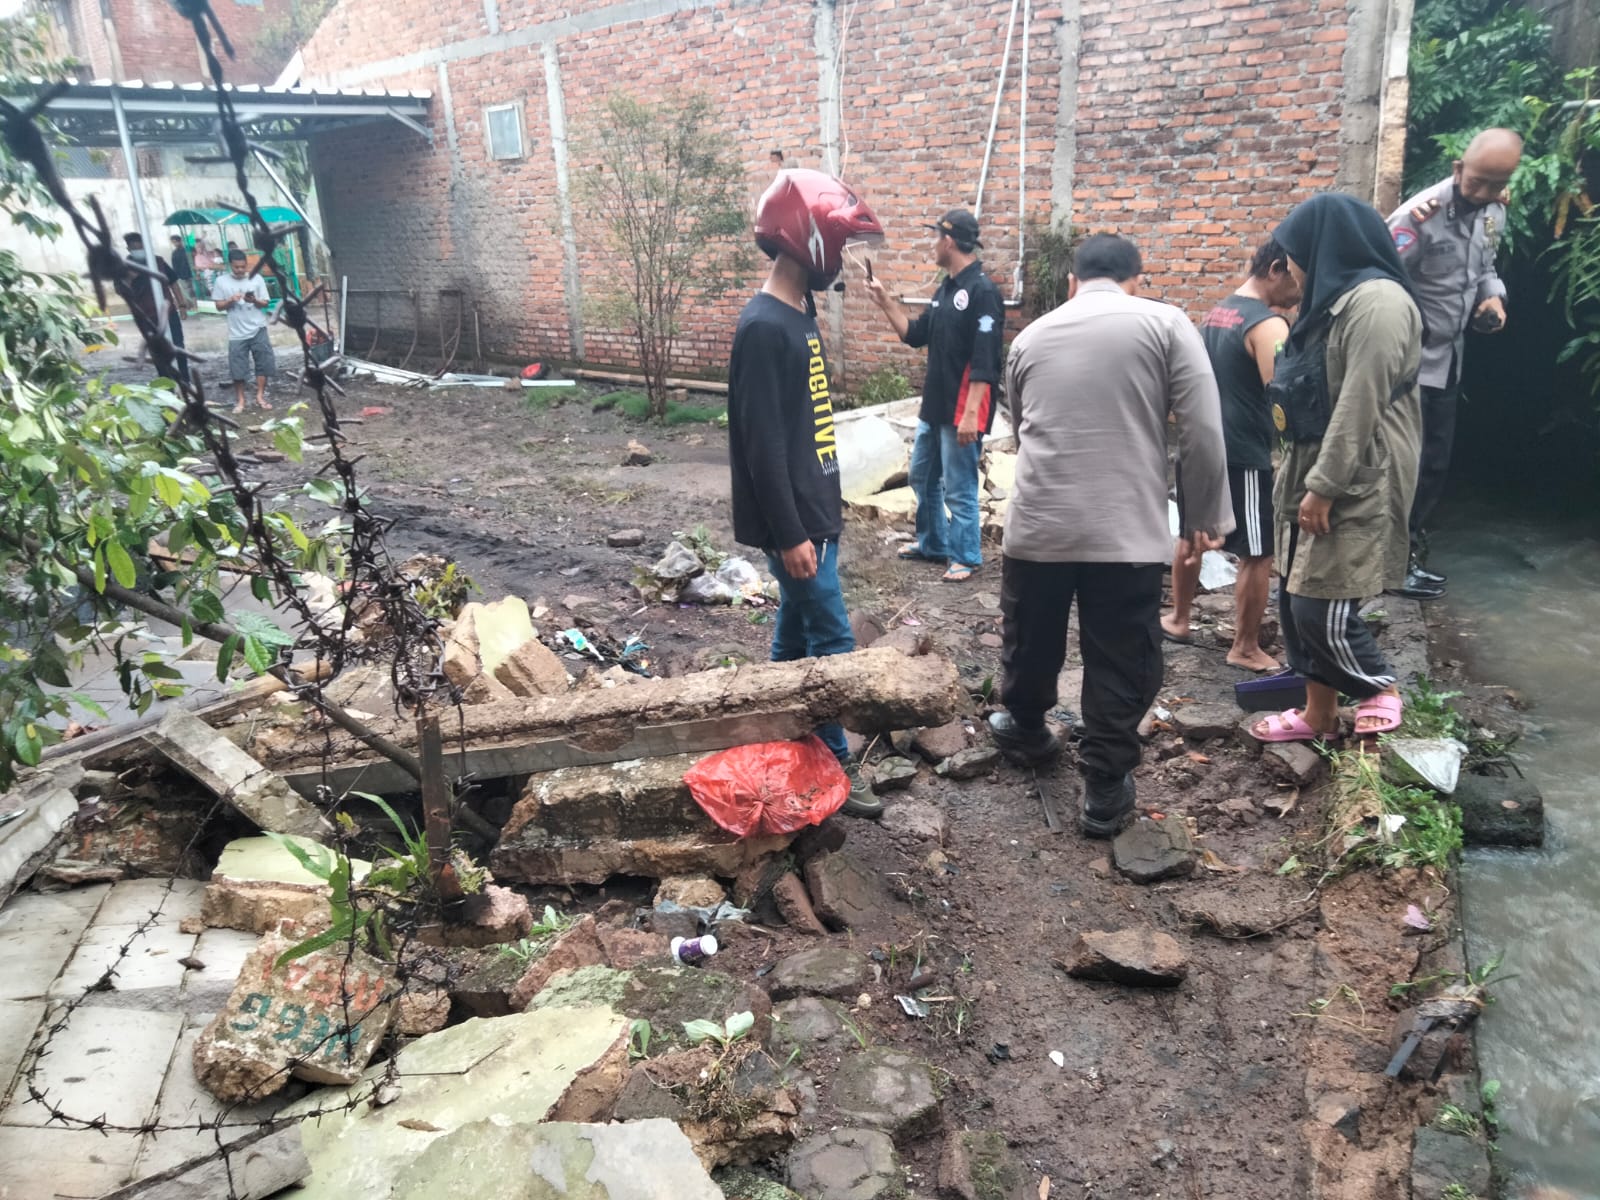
810	216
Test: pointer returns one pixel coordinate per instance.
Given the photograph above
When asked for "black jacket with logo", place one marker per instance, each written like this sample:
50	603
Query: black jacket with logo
963	328
781	443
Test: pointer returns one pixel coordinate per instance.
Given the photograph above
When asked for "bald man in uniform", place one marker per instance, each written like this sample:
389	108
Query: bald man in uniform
1447	237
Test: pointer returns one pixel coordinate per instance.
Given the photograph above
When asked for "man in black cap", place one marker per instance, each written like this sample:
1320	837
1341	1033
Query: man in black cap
962	328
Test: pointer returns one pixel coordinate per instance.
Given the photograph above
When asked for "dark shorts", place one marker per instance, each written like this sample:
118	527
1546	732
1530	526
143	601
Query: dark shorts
257	347
1252	512
1251	490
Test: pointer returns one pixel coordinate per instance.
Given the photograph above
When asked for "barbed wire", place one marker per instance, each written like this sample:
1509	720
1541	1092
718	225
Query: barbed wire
372	578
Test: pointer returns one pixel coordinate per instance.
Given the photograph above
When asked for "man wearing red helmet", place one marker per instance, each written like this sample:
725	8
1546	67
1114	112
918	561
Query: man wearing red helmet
781	443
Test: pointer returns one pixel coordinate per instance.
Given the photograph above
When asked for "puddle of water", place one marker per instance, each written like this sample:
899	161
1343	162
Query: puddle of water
1529	590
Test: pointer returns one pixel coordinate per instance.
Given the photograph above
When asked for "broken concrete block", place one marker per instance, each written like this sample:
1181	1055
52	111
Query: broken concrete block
912	818
846	1164
1205	721
820	971
533	858
667	997
197	749
746	1114
482	1081
1446	1165
501	628
257	884
1500	811
576	947
1292	762
625	538
319	1018
533	669
809	1023
970	763
942	741
461	664
893	775
1149	851
872	454
843	893
1141	957
795	905
638	798
886	1089
690	891
491	917
980	1166
637	454
421	1010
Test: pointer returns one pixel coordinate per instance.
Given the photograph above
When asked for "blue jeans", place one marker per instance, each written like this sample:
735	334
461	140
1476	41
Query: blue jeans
944	473
812	623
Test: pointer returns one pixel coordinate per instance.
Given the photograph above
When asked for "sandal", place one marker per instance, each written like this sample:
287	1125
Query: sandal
913	553
1383	707
958	573
1288	726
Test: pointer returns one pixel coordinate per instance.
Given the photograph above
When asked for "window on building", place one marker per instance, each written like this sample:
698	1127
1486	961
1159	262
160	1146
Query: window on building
505	130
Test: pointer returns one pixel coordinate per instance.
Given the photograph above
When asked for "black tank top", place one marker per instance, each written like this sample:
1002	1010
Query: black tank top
1246	416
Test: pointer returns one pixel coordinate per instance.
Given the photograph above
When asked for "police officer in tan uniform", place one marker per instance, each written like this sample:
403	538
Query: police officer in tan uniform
1447	237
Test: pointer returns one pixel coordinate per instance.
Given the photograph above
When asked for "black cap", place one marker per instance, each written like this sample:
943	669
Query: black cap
960	225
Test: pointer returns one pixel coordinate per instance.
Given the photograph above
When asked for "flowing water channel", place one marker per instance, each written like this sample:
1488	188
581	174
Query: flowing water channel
1526	590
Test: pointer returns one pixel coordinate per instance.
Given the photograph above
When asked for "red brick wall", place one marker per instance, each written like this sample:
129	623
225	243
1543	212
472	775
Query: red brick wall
1198	124
156	44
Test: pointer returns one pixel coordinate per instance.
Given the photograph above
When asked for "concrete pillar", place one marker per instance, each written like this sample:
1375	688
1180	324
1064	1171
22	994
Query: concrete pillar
1069	38
571	279
826	37
1372	129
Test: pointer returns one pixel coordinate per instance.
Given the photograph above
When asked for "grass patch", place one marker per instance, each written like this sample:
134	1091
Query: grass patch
1373	822
635	405
1429	714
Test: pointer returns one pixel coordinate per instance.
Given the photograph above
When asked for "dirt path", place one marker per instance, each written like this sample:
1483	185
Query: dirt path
1208	1090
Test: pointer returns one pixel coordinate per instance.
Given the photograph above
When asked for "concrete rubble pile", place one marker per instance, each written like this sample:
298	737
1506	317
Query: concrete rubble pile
392	1062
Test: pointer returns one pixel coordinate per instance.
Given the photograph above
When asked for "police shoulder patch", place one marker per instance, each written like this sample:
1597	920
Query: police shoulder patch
1404	239
986	324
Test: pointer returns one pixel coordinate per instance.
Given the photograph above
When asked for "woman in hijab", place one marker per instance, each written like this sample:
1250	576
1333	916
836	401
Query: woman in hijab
1346	398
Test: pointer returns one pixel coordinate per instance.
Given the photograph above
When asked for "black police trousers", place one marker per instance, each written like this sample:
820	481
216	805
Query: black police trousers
1118	608
1438	439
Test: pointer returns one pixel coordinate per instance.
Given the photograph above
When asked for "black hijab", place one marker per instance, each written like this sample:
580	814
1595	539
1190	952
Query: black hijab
1338	242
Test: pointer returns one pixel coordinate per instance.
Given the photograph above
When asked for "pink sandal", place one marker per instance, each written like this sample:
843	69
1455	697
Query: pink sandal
1290	727
1383	706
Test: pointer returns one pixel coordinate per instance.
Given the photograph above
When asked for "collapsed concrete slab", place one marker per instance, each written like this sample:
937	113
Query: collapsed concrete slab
470	1087
257	884
877	688
535	857
197	749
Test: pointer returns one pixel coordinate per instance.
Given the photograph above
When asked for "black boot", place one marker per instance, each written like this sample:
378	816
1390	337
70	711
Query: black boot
1427	576
1417	585
1021	744
1107	805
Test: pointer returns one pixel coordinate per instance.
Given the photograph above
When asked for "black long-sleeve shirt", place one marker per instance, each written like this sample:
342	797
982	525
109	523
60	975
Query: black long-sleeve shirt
781	443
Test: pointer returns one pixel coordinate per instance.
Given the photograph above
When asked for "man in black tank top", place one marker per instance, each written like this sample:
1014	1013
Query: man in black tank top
1242	335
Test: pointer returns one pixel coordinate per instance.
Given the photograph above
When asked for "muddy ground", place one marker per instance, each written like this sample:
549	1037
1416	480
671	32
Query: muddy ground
1208	1090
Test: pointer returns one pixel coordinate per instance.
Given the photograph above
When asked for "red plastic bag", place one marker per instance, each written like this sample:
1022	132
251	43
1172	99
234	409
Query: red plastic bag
769	788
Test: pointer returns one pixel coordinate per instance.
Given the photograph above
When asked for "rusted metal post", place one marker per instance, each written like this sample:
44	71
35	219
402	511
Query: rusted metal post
436	809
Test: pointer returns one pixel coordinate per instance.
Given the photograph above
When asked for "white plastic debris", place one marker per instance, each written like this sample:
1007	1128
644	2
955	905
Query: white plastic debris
679	562
1058	1058
1432	762
1217	570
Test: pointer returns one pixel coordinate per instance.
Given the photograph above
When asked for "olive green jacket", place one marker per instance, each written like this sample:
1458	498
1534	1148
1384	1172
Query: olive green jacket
1366	462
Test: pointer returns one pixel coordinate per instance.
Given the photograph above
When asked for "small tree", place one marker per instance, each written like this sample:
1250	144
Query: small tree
93	476
670	194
